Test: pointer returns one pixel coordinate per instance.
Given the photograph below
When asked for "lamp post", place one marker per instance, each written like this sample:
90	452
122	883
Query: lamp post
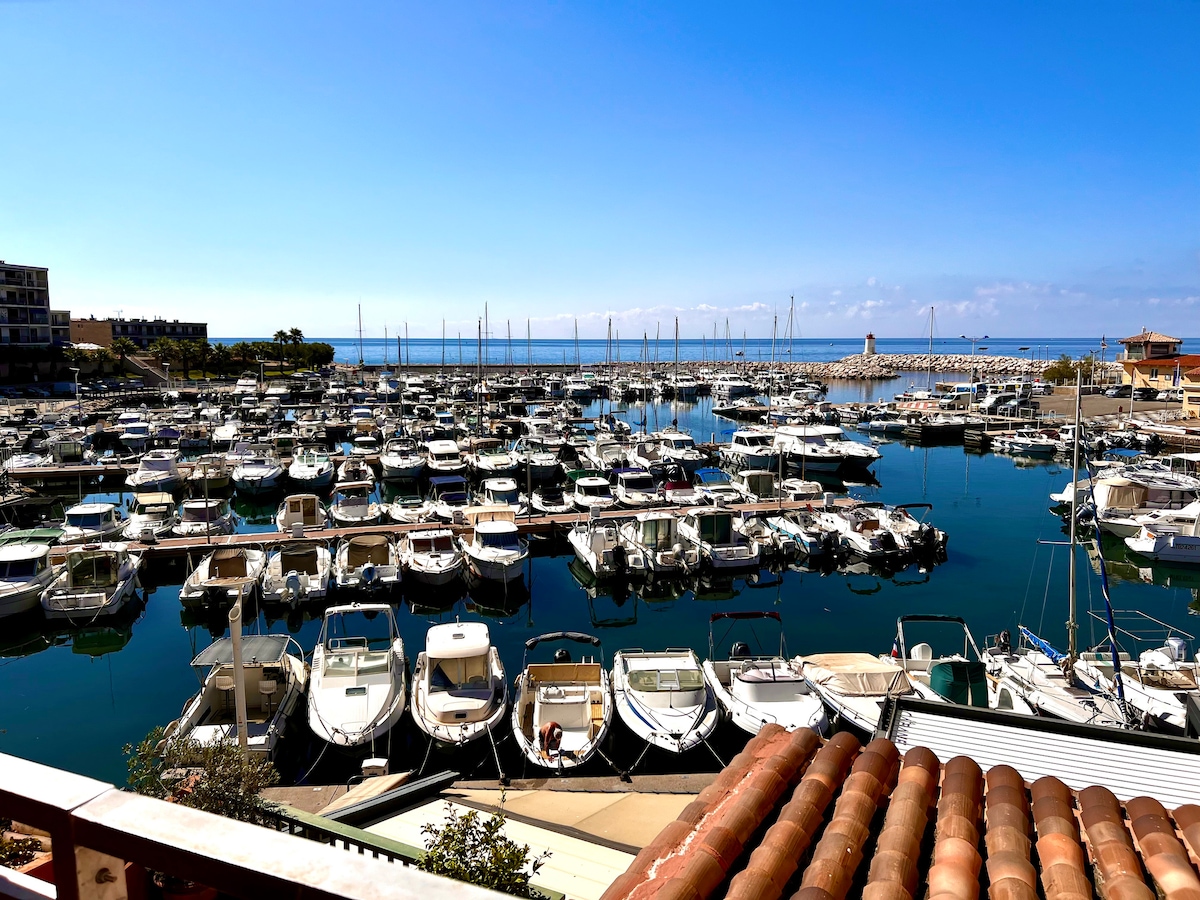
78	404
974	341
261	373
1029	363
167	370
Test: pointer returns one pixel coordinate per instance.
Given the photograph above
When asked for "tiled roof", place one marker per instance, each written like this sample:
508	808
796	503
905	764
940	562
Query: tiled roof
1152	337
861	822
1164	362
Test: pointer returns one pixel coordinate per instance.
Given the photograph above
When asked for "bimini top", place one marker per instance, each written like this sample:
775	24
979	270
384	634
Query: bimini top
458	640
259	649
18	552
496	526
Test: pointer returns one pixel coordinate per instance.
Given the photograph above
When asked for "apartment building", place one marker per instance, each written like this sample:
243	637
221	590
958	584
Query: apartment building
25	316
142	332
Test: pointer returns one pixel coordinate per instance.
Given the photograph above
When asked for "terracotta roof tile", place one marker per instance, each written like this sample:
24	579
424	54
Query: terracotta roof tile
949	831
1154	337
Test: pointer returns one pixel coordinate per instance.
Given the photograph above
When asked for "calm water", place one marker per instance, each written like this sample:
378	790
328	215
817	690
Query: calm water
518	353
74	703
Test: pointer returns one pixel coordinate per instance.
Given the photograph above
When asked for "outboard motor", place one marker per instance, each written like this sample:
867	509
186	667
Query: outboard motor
1004	642
739	650
562	655
618	556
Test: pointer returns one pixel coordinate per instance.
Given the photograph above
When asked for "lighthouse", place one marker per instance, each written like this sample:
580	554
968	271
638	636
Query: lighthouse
869	345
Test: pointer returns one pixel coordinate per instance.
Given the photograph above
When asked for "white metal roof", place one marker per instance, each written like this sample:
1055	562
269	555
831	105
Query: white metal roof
457	640
15	552
84	509
1128	764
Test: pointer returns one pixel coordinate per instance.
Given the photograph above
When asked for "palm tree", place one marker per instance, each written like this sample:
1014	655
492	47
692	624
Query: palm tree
281	337
164	350
201	350
102	357
221	357
242	352
123	347
296	336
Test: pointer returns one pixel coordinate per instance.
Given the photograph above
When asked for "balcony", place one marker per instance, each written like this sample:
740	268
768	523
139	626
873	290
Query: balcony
103	836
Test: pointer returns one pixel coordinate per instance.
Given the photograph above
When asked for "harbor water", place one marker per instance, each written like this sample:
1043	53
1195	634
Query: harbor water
73	699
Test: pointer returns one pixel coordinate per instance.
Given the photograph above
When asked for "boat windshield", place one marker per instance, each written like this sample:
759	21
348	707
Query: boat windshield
504	540
94	570
715	529
202	513
658	534
666	680
595	490
153	511
638	482
459	674
680	443
443	543
85	520
508	496
18	569
358	643
754	440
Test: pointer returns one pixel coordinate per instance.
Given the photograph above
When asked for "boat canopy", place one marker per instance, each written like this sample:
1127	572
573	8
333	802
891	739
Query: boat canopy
458	640
367	548
856	675
260	649
577	636
154	498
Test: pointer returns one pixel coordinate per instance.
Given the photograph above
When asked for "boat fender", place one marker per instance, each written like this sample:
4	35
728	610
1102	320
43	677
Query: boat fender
550	737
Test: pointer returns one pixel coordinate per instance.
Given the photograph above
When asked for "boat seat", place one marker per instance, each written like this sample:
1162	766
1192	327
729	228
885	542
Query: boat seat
266	692
921	652
225	684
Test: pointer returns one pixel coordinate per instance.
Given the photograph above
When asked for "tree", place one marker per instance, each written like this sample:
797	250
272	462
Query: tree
281	337
123	347
221	358
1063	369
164	350
201	351
102	357
243	352
476	850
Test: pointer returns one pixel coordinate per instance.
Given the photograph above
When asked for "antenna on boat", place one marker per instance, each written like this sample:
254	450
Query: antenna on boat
1072	624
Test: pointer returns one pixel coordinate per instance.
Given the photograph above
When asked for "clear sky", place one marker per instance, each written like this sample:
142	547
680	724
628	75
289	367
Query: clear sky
1033	169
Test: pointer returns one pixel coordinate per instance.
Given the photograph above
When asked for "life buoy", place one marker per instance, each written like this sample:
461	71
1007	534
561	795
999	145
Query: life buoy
550	737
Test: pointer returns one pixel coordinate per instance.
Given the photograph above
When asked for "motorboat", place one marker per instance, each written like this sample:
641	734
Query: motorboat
204	518
444	458
652	539
1025	442
407	506
748	449
757	689
223	576
662	697
296	573
679	449
98	580
401	459
597	544
447	497
89	523
677	488
502	492
311	468
755	485
25	572
152	516
959	676
537	464
431	556
274	682
364	446
551	500
354	469
863	530
635	489
593	492
157	471
855	686
358	684
1122	499
716	487
352	505
494	551
489	458
460	692
710	530
367	561
562	709
258	472
301	512
804	529
210	472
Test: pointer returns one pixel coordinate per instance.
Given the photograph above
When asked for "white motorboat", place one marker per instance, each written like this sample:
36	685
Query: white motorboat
757	689
153	516
750	450
311	468
807	448
710	530
89	523
352	505
959	676
855	686
716	487
653	540
756	485
489	458
431	556
98	580
25	572
680	449
1025	442
210	472
199	518
1122	500
562	709
502	492
593	492
258	472
355	469
367	561
494	551
296	573
448	497
408	507
157	471
274	683
304	512
806	532
537	464
863	530
358	685
550	500
662	697
597	544
444	458
401	459
635	489
1167	546
223	576
460	692
678	490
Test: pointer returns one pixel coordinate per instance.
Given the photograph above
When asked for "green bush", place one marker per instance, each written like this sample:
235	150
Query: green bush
16	851
472	849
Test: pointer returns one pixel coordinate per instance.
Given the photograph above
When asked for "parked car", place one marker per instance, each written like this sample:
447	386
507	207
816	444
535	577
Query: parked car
1042	389
1170	395
1119	390
1016	405
1145	393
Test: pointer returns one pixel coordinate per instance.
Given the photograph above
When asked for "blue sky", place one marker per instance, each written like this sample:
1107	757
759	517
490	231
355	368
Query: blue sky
1030	169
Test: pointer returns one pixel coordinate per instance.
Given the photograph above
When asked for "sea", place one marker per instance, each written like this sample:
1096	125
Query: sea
499	350
74	698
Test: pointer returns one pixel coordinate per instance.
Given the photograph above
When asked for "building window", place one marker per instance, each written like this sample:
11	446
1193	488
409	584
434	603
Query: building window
1154	373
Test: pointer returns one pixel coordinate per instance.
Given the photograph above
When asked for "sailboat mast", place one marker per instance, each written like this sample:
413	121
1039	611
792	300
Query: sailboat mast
385	348
443	345
1072	625
578	361
528	346
360	349
929	358
407	352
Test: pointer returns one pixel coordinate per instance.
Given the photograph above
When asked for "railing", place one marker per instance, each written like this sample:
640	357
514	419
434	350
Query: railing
96	829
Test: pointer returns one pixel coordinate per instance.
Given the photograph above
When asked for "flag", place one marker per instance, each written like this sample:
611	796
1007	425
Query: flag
895	648
1175	380
1103	343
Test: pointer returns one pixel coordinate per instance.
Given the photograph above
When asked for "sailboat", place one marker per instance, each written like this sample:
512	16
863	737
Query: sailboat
1036	674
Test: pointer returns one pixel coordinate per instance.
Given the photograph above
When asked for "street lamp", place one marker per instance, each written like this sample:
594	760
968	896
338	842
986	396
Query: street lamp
78	404
974	341
1029	364
261	374
167	370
